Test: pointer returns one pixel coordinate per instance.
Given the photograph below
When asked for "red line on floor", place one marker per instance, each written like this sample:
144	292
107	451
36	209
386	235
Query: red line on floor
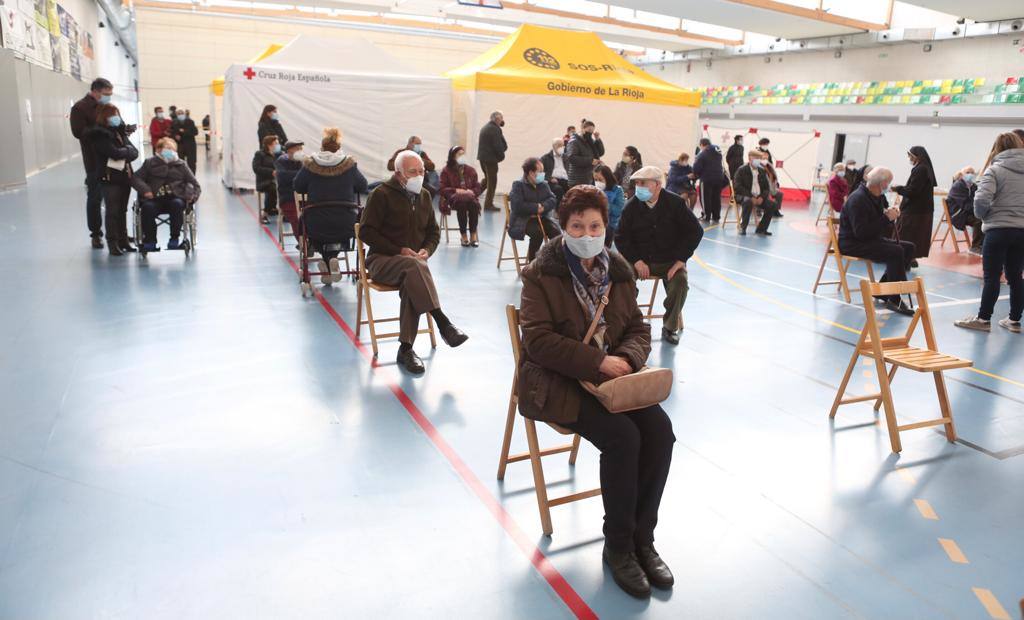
570	597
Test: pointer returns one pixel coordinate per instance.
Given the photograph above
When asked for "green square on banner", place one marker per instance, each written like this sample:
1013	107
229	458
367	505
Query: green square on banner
958	99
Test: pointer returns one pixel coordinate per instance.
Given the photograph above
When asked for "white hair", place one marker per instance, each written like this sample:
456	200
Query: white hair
495	114
839	166
878	176
557	142
404	155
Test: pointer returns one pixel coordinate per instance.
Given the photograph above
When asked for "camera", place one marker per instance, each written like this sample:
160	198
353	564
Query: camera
130	129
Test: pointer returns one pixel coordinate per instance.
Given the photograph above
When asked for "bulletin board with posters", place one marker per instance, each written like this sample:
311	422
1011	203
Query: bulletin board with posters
47	34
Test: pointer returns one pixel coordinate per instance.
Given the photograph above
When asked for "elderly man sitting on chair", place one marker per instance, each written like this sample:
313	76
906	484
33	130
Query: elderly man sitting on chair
399	228
866	226
753	190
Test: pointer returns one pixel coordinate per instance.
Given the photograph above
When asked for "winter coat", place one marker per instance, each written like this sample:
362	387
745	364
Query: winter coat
263	166
111	144
580	154
616	204
548	161
999	202
743	183
175	176
453	179
554	324
623	172
523	200
679	180
330	177
664	233
919	193
428	164
270	127
734	159
287	169
863	220
184	133
492	146
708	167
392	221
838	190
960	202
159	128
83	118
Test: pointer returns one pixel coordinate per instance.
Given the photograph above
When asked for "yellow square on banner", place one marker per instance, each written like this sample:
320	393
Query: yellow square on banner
946	83
917	90
957	90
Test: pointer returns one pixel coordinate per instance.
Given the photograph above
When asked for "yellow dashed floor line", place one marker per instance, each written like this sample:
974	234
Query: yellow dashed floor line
991	603
926	509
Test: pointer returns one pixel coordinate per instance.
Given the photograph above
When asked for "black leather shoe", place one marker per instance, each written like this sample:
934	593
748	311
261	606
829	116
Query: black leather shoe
453	336
127	247
114	250
655	568
763	233
97	243
410	361
669	336
743	231
627	573
898	307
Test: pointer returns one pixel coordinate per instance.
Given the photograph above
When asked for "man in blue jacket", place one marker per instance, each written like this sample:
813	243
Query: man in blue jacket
707	168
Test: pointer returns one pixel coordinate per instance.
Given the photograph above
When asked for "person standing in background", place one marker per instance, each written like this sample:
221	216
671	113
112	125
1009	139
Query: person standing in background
490	152
917	208
583	153
734	156
184	132
762	144
114	154
270	125
83	118
708	169
206	131
159	127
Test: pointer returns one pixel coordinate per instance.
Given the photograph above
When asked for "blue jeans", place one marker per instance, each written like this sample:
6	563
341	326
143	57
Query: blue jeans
1003	250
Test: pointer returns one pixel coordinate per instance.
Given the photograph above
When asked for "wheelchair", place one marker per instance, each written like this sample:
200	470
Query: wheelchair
189	229
327	227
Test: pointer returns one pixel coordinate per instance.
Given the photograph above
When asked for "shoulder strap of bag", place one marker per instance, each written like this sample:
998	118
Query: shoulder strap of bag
597	315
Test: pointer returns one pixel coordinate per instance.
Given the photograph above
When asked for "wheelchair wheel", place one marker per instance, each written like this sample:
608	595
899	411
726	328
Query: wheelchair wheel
193	228
137	226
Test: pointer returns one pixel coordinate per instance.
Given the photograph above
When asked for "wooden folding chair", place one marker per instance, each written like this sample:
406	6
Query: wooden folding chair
263	219
518	261
534	453
949	231
734	208
842	262
648	308
899	353
825	210
364	287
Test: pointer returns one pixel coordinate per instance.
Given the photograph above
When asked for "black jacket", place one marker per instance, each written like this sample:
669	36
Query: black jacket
175	176
961	203
111	144
663	234
184	133
286	168
270	127
742	183
734	159
548	161
523	199
83	118
263	166
863	220
679	180
492	145
708	167
580	154
919	193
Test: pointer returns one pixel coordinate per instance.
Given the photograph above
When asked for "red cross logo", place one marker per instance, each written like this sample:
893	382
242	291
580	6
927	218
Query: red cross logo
249	73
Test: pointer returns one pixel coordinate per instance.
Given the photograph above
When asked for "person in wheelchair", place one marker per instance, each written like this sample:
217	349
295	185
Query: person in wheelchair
165	185
332	183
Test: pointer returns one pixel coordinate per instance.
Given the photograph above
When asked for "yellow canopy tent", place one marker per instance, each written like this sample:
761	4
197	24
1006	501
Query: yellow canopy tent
217	96
545	79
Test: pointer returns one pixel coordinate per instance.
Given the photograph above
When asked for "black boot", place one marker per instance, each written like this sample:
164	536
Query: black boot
97	242
627	573
654	567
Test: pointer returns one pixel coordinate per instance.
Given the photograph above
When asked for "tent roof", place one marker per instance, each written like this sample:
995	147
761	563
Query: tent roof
217	85
567	63
337	55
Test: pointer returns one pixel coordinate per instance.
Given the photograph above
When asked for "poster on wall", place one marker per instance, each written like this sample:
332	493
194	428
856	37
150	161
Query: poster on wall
73	48
86	41
39	10
21	33
53	19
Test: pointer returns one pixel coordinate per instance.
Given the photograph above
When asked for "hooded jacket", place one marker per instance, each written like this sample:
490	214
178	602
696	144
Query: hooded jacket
156	172
523	199
330	177
679	180
999	201
708	167
554	324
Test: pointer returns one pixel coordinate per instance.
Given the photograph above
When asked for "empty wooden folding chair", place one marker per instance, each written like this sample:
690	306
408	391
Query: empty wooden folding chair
534	453
842	262
648	308
364	287
825	210
898	353
734	208
945	220
518	261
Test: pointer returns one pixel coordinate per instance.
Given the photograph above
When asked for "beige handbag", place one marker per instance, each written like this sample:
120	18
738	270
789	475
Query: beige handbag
648	386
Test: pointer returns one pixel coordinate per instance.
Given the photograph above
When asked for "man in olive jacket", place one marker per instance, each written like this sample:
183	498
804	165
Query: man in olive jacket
399	228
491	151
83	117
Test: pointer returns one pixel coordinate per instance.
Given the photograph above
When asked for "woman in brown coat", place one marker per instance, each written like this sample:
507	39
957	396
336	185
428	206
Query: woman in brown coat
561	291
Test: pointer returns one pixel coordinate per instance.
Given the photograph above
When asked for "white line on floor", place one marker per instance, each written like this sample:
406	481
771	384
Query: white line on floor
958	302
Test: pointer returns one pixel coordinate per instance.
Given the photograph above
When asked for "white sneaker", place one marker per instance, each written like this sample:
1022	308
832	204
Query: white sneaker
1013	326
335	270
973	322
321	266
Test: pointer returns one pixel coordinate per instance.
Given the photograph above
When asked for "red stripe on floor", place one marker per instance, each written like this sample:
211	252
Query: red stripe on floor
570	597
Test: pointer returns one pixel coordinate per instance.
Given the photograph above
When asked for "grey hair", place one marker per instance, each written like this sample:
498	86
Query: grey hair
411	138
878	176
404	155
495	114
557	142
839	166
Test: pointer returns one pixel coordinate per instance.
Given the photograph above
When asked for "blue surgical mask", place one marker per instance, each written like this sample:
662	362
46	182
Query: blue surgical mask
643	194
969	177
417	148
277	149
540	176
115	121
168	155
841	174
585	246
104	98
273	116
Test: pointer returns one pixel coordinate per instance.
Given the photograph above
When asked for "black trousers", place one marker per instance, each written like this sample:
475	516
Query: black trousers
558	187
269	198
93	202
468	216
188	153
175	207
115	196
769	210
636	452
897	256
490	169
533	231
711	199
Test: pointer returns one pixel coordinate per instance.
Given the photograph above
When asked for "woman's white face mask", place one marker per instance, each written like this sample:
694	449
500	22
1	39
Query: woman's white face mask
584	234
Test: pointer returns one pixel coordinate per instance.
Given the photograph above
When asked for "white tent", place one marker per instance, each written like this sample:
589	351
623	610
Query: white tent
349	83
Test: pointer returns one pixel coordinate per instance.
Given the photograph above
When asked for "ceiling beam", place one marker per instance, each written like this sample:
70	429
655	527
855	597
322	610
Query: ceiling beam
611	21
815	14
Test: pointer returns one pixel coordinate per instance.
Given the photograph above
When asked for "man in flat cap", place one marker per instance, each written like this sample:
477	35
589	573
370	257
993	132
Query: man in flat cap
657	235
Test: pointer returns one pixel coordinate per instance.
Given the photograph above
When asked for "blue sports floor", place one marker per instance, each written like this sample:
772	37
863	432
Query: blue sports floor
193	439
